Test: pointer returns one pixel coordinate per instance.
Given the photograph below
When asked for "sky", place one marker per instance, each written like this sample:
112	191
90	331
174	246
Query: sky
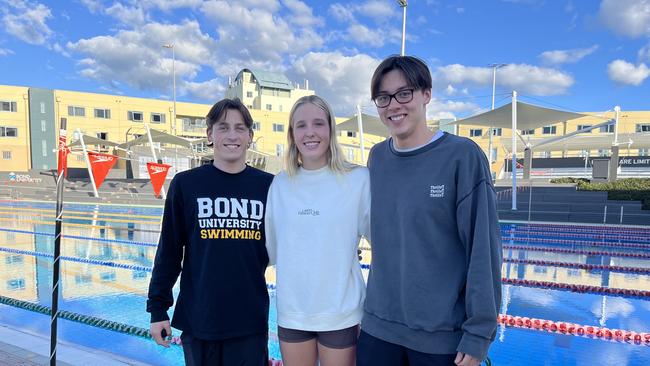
577	55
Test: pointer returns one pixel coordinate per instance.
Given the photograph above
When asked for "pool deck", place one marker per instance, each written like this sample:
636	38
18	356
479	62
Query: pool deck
26	349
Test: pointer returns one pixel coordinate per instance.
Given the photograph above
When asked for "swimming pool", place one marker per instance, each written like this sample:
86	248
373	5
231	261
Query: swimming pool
592	276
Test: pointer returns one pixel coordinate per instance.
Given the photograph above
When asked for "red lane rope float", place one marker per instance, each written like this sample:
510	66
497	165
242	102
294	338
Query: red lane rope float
588	331
575	242
624	292
576	251
637	270
585	236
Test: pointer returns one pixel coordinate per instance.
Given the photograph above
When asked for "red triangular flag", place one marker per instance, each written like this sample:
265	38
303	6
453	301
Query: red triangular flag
101	164
157	174
63	154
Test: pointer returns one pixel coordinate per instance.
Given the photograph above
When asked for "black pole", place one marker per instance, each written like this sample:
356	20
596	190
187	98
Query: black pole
57	254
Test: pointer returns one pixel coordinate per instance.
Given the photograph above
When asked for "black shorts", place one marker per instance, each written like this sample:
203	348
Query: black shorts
372	351
338	339
249	351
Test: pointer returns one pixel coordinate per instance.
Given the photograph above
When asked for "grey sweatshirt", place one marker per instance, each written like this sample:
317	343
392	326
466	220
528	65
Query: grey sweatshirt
435	281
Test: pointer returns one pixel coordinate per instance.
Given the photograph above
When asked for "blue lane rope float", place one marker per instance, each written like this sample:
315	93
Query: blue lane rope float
118	241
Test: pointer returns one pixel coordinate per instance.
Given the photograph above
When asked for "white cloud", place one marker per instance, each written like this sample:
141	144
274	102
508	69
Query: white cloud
557	57
521	77
380	11
127	15
256	35
301	14
94	6
460	10
614	307
439	109
206	90
363	35
167	5
6	52
341	13
626	17
344	81
136	57
27	22
644	53
626	73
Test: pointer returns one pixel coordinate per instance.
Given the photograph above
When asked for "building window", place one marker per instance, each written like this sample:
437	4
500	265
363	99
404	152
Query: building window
584	127
607	129
80	158
103	113
257	126
584	153
528	132
83	279
76	111
604	152
642	127
157	118
476	132
350	133
549	130
16	284
278	127
8	131
544	154
269	107
249	94
43	125
13	259
107	276
6	155
102	135
7	106
643	152
42	108
496	131
44	147
131	115
279	150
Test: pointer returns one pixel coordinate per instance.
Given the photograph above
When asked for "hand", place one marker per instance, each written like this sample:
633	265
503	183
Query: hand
156	332
463	359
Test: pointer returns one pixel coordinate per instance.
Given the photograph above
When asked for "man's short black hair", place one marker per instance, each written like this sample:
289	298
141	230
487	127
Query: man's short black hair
416	72
220	108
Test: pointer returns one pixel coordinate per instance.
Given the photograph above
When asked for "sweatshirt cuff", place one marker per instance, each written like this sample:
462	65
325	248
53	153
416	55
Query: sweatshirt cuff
158	316
474	346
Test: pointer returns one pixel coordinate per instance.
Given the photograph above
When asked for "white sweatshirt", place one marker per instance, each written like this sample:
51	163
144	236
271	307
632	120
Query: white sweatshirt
313	223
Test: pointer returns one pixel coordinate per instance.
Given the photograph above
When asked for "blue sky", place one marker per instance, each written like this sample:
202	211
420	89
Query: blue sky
576	54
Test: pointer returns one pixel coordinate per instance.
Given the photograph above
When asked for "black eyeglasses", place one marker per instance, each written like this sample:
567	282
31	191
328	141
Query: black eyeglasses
401	96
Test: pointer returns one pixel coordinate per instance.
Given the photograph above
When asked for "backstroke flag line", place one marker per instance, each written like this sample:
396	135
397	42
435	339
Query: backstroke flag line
100	164
157	174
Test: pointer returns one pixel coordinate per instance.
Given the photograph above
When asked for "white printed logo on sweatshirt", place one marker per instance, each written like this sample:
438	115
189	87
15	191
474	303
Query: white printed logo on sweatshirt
308	212
437	191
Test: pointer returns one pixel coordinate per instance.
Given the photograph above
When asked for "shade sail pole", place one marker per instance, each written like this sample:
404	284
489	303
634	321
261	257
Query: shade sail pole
514	150
360	123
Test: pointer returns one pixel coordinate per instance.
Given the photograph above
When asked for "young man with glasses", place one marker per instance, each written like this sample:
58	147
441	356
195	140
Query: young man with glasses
213	235
434	289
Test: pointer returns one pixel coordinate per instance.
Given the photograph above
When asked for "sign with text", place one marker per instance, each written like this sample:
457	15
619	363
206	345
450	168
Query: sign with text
100	165
157	174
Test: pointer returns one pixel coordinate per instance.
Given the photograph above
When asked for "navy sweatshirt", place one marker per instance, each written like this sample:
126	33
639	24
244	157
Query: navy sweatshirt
213	235
435	281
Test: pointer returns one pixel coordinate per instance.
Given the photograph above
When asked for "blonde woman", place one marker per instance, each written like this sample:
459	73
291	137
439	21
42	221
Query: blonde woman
317	211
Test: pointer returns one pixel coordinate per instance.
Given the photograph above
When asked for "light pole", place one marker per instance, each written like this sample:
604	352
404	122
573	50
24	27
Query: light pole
171	45
494	87
403	4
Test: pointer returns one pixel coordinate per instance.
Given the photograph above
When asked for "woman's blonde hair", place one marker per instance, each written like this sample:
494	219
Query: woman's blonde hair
335	160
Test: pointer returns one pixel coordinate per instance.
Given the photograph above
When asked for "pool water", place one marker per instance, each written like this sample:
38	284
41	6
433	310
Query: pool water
109	251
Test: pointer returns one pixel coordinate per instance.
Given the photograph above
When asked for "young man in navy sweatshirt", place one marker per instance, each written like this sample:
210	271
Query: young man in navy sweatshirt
434	289
213	236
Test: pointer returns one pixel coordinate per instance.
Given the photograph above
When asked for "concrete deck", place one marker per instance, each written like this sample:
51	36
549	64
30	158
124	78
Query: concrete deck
18	347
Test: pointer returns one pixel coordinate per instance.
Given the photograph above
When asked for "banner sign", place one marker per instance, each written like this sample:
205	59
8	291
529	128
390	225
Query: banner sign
101	164
577	162
157	174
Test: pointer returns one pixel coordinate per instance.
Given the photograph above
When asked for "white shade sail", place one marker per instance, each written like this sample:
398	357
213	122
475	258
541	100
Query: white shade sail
371	125
528	117
90	140
156	136
582	142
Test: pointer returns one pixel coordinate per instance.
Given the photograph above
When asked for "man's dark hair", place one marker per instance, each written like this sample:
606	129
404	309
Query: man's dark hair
416	72
220	109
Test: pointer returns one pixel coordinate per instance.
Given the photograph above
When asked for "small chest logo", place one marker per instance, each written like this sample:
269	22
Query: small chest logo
309	212
437	191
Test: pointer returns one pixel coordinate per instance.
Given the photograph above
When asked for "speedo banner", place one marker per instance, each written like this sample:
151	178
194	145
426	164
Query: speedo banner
157	174
101	164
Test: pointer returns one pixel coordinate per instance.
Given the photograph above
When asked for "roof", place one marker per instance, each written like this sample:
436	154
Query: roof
268	79
528	117
585	142
371	125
